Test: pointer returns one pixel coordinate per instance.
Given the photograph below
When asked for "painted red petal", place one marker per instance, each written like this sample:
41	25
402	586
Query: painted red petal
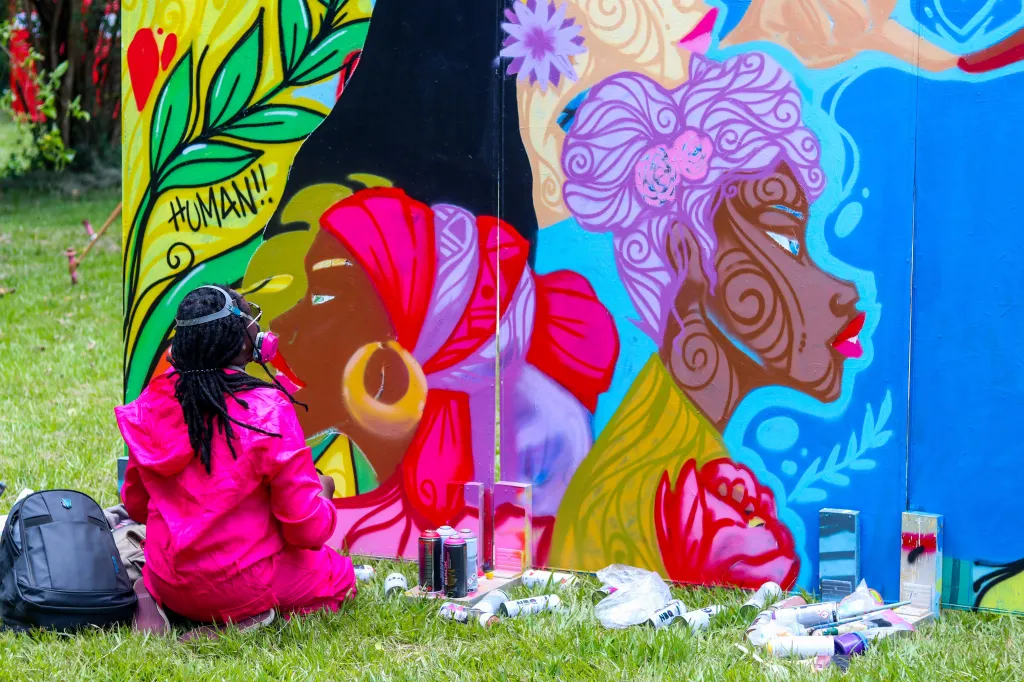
679	522
143	65
498	240
170	49
574	337
441	453
1007	51
392	238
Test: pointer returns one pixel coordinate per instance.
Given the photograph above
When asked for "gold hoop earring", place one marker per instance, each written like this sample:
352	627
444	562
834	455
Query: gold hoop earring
388	419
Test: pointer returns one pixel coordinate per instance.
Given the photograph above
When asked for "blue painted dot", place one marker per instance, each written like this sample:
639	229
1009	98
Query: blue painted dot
848	218
803	452
865	192
789	467
777	434
928	12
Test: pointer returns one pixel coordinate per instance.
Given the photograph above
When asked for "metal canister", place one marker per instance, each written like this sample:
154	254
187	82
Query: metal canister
431	578
446	532
472	558
364	572
457	612
492	601
668	613
455	577
395	584
526	607
808	615
766	593
801	647
701	618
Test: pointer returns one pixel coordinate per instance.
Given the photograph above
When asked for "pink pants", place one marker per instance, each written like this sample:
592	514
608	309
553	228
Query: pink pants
293	581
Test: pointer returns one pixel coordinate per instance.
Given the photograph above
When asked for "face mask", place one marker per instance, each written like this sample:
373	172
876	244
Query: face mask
264	349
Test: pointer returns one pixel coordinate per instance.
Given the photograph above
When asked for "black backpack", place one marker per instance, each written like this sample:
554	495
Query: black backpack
59	566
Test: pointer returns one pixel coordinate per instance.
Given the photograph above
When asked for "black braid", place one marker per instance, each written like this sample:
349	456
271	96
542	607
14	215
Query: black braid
200	354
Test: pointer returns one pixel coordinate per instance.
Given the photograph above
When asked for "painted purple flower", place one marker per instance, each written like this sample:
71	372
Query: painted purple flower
540	41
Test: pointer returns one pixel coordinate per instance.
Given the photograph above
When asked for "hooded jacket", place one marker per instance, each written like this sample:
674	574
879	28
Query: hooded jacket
245	510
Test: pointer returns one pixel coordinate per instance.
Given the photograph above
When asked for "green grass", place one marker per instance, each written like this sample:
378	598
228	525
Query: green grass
59	382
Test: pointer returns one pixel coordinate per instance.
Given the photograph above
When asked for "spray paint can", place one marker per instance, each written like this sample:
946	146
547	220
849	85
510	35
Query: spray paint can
788	603
534	578
492	601
455	577
851	644
667	614
530	606
701	618
808	615
768	592
801	647
456	612
395	584
364	572
603	592
773	629
446	532
431	578
472	556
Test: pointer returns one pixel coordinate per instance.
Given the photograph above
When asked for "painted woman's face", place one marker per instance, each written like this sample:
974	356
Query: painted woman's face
799	322
340	314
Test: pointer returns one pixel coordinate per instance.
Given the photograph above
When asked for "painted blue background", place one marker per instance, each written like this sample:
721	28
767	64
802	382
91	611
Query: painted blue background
887	131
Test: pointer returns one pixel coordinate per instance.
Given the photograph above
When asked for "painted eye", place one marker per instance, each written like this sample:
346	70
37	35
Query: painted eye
790	245
319	299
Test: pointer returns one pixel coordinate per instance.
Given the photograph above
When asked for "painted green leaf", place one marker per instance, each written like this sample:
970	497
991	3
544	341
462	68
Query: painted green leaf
171	114
207	163
235	81
327	58
296	24
279	123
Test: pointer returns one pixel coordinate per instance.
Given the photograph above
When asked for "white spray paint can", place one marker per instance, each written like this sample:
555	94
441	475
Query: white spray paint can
801	647
472	556
701	618
527	607
364	572
492	601
766	593
534	578
667	614
395	584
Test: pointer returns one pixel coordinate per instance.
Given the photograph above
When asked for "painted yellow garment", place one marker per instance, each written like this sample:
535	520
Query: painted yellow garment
607	514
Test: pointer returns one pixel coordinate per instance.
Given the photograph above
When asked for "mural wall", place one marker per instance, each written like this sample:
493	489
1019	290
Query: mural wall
654	259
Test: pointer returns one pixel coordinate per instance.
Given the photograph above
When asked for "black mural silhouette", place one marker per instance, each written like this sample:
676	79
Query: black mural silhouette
430	109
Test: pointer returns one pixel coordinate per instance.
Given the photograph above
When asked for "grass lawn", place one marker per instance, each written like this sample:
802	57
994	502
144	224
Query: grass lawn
60	379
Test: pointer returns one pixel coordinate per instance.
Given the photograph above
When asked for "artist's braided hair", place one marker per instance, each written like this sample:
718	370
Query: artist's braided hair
200	354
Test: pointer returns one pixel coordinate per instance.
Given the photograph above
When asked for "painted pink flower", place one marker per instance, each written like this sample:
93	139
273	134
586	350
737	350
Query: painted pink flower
690	153
719	526
540	41
657	176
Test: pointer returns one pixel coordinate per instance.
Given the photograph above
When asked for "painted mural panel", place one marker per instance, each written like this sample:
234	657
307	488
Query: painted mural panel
736	182
966	366
656	254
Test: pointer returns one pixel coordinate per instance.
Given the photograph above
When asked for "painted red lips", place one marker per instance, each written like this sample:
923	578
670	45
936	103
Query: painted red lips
847	343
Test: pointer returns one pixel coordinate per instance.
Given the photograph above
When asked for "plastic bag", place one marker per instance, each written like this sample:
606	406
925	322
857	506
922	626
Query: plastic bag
859	601
638	595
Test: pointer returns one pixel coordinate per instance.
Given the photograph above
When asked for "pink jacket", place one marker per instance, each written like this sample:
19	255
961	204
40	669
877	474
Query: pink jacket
211	526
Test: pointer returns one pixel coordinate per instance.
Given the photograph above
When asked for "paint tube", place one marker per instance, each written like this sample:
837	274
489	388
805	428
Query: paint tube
766	593
667	614
527	607
701	618
800	647
395	584
534	578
